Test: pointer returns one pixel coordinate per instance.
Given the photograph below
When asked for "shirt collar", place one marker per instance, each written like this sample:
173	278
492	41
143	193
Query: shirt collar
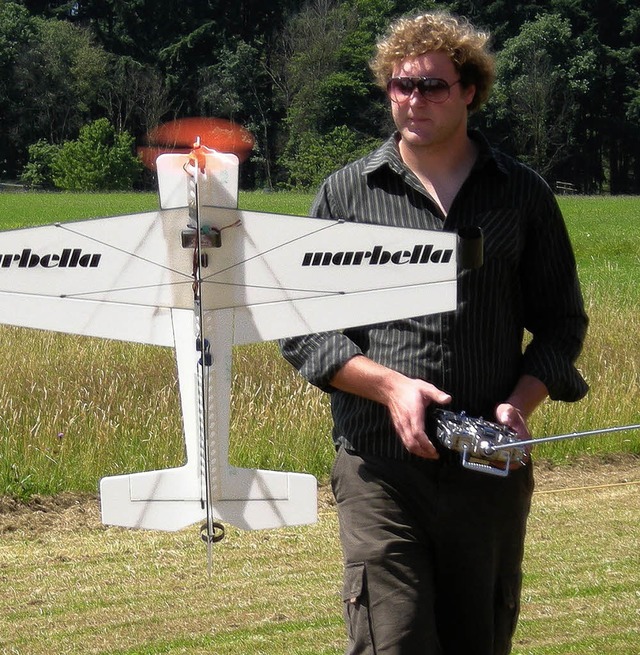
388	154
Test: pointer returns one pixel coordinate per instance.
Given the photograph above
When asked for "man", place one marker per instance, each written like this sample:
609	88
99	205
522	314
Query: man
432	550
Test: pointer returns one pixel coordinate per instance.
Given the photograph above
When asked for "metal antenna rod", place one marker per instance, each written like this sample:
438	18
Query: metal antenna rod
560	437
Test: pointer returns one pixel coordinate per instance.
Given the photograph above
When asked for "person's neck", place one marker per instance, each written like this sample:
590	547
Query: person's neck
441	168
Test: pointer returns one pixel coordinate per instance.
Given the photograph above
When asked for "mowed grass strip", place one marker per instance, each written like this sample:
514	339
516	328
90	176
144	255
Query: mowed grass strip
19	210
77	587
71	585
581	573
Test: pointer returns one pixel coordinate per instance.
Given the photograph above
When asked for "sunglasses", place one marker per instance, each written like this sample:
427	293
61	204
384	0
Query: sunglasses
432	89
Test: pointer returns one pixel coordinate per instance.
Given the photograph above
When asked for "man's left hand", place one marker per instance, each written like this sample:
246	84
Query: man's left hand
509	415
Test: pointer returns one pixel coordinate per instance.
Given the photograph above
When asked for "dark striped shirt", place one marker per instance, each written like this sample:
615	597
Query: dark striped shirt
528	282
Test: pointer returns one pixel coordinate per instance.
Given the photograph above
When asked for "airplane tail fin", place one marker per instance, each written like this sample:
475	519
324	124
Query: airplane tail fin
250	499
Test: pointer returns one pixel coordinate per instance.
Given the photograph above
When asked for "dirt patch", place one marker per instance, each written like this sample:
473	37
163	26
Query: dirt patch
65	511
588	472
69	511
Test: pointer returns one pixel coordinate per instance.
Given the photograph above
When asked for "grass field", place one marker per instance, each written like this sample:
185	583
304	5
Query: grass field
73	410
73	587
29	209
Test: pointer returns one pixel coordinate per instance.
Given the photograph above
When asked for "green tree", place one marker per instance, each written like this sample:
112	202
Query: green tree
181	39
326	76
134	95
60	78
569	102
51	76
38	171
16	33
316	155
312	39
184	39
533	92
100	159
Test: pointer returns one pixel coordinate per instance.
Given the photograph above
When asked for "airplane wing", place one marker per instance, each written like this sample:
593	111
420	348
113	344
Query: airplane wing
200	276
279	275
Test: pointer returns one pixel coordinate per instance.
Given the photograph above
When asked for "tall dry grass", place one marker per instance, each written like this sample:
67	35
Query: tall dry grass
75	409
610	362
71	407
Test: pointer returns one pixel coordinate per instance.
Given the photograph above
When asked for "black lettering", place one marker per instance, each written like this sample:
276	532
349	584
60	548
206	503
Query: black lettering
68	258
415	255
338	258
401	257
24	258
50	261
64	260
426	254
377	256
89	261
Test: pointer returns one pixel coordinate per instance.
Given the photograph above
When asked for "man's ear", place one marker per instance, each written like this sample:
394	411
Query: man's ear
469	93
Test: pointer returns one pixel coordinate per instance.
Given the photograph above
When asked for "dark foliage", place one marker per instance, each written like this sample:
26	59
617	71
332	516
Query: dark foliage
296	73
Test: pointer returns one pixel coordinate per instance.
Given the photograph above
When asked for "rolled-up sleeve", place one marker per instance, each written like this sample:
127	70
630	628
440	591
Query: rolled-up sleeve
318	357
554	307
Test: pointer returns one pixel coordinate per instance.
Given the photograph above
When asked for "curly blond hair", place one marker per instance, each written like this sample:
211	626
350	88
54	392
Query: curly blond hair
412	36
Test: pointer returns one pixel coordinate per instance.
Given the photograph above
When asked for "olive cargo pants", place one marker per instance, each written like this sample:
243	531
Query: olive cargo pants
433	555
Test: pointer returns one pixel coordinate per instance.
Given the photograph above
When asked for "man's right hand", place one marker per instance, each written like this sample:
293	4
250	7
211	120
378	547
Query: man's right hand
406	398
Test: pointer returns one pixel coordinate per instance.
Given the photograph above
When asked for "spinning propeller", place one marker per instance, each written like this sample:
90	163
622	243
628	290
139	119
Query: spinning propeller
180	135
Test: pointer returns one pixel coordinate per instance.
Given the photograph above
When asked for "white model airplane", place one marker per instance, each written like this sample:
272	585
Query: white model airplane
200	276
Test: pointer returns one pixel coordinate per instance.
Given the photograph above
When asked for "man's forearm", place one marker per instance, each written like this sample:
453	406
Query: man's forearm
515	411
363	377
405	398
528	393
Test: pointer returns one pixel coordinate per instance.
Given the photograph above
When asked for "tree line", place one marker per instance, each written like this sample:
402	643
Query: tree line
567	98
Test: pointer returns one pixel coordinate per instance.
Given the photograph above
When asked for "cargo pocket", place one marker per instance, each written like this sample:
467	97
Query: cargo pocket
356	610
507	611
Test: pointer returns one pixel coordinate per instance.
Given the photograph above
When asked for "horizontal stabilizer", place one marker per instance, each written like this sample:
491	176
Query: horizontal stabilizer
164	511
257	499
251	499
